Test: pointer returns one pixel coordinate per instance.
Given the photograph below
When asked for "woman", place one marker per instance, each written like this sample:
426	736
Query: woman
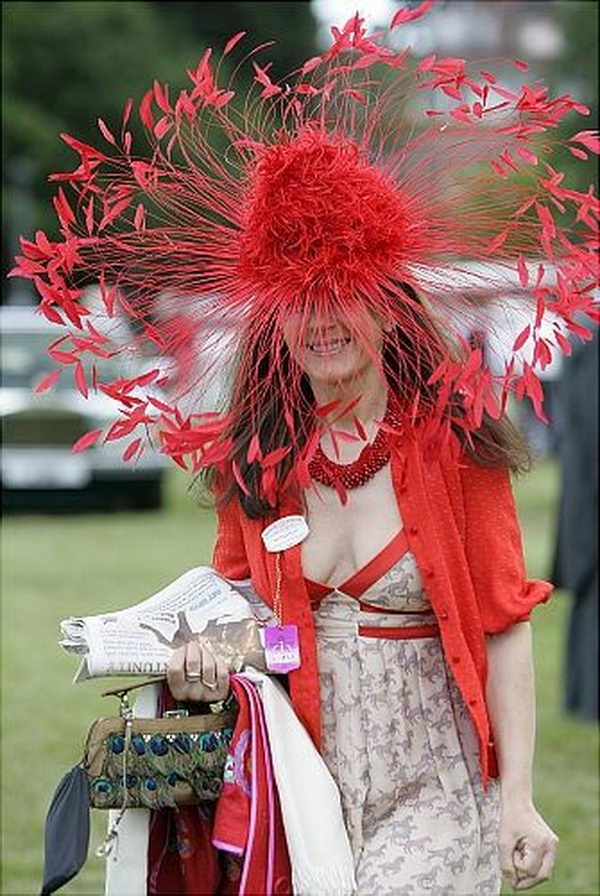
329	219
398	732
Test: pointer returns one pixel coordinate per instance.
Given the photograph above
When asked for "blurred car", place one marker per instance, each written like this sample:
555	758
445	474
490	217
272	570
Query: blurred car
37	467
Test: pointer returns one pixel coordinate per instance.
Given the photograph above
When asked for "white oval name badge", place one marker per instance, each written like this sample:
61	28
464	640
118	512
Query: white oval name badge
285	533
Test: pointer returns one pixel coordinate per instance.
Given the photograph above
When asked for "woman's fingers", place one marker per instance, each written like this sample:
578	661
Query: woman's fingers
527	846
176	673
528	857
540	867
223	686
193	662
208	668
194	674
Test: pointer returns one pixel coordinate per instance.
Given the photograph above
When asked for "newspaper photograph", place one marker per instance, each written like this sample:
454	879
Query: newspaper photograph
139	640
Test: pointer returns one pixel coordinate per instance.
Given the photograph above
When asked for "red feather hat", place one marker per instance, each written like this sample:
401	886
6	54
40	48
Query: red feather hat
366	187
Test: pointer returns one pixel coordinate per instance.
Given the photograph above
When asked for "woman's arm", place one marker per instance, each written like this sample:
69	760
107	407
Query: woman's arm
527	845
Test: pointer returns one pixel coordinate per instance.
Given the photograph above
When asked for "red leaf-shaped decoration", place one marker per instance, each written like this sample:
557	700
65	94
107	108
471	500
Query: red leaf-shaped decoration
311	64
161	96
274	457
589	139
127	112
145	110
160	405
79	377
527	155
578	153
86	440
342	494
162	127
326	409
521	338
89	216
498	241
254	450
48	381
523	271
361	431
106	133
139	219
131	449
232	42
62	357
409	15
563	343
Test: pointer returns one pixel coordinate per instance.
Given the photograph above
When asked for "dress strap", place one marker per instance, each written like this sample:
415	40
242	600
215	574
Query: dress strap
370	573
377	567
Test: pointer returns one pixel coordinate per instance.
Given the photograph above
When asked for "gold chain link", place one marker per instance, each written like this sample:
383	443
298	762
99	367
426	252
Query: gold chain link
277	608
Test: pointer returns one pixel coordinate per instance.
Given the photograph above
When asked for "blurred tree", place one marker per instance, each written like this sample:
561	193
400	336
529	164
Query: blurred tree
67	63
290	24
576	70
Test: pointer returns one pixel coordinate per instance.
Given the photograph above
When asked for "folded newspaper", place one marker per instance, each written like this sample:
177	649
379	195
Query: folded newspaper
139	640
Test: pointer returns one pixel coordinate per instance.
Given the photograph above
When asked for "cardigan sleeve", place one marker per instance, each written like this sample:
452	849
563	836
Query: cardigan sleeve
229	553
494	550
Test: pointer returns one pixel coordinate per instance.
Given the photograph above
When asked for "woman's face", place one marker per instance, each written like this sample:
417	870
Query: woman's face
333	348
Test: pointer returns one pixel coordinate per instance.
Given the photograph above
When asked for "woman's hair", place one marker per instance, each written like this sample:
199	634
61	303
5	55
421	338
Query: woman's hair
497	443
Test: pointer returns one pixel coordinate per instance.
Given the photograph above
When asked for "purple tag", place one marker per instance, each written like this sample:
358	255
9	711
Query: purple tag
282	649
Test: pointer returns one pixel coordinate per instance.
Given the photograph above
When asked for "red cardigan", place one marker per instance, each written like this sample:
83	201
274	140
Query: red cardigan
461	524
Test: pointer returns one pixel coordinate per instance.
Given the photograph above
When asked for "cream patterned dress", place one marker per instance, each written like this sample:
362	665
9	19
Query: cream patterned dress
398	739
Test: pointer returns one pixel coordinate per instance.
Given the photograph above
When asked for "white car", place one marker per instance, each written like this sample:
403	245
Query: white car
37	466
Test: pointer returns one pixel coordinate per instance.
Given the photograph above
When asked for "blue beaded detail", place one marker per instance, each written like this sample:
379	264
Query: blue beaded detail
117	743
209	742
182	743
137	742
101	785
150	784
159	745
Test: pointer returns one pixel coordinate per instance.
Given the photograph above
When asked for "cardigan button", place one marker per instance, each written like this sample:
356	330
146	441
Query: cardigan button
443	616
472	702
282	886
412	530
456	659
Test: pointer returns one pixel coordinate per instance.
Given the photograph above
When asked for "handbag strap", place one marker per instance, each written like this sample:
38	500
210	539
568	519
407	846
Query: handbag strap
122	691
107	844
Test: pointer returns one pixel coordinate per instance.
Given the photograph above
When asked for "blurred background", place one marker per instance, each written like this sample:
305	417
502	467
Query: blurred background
83	536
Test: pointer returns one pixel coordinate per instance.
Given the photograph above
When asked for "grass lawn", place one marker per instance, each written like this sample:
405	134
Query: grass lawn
58	565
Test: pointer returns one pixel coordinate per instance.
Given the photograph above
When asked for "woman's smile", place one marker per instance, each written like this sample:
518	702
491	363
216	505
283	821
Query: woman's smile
325	345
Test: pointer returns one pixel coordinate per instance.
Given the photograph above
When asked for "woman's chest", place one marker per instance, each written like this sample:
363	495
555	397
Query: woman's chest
343	538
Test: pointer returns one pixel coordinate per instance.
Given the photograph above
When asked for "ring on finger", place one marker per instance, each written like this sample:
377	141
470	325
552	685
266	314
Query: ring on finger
211	685
193	676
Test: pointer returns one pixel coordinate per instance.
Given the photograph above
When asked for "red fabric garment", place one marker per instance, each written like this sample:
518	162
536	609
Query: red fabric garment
461	525
248	818
236	845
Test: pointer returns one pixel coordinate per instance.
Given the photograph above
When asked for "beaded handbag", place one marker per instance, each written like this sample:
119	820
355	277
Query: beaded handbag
154	763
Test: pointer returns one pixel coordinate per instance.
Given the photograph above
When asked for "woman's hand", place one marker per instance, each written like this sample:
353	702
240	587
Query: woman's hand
194	674
527	846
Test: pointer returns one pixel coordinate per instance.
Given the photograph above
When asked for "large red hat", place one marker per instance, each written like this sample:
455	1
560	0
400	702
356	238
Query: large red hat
368	185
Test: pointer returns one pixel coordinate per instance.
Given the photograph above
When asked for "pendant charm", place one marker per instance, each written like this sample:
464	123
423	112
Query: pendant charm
284	533
282	648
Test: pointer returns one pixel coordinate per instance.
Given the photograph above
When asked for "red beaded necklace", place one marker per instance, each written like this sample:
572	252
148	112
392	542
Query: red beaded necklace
373	457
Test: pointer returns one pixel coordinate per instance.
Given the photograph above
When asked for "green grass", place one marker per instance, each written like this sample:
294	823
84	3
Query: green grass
55	566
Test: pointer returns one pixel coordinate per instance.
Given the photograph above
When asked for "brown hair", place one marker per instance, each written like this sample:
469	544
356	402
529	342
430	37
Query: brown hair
497	443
